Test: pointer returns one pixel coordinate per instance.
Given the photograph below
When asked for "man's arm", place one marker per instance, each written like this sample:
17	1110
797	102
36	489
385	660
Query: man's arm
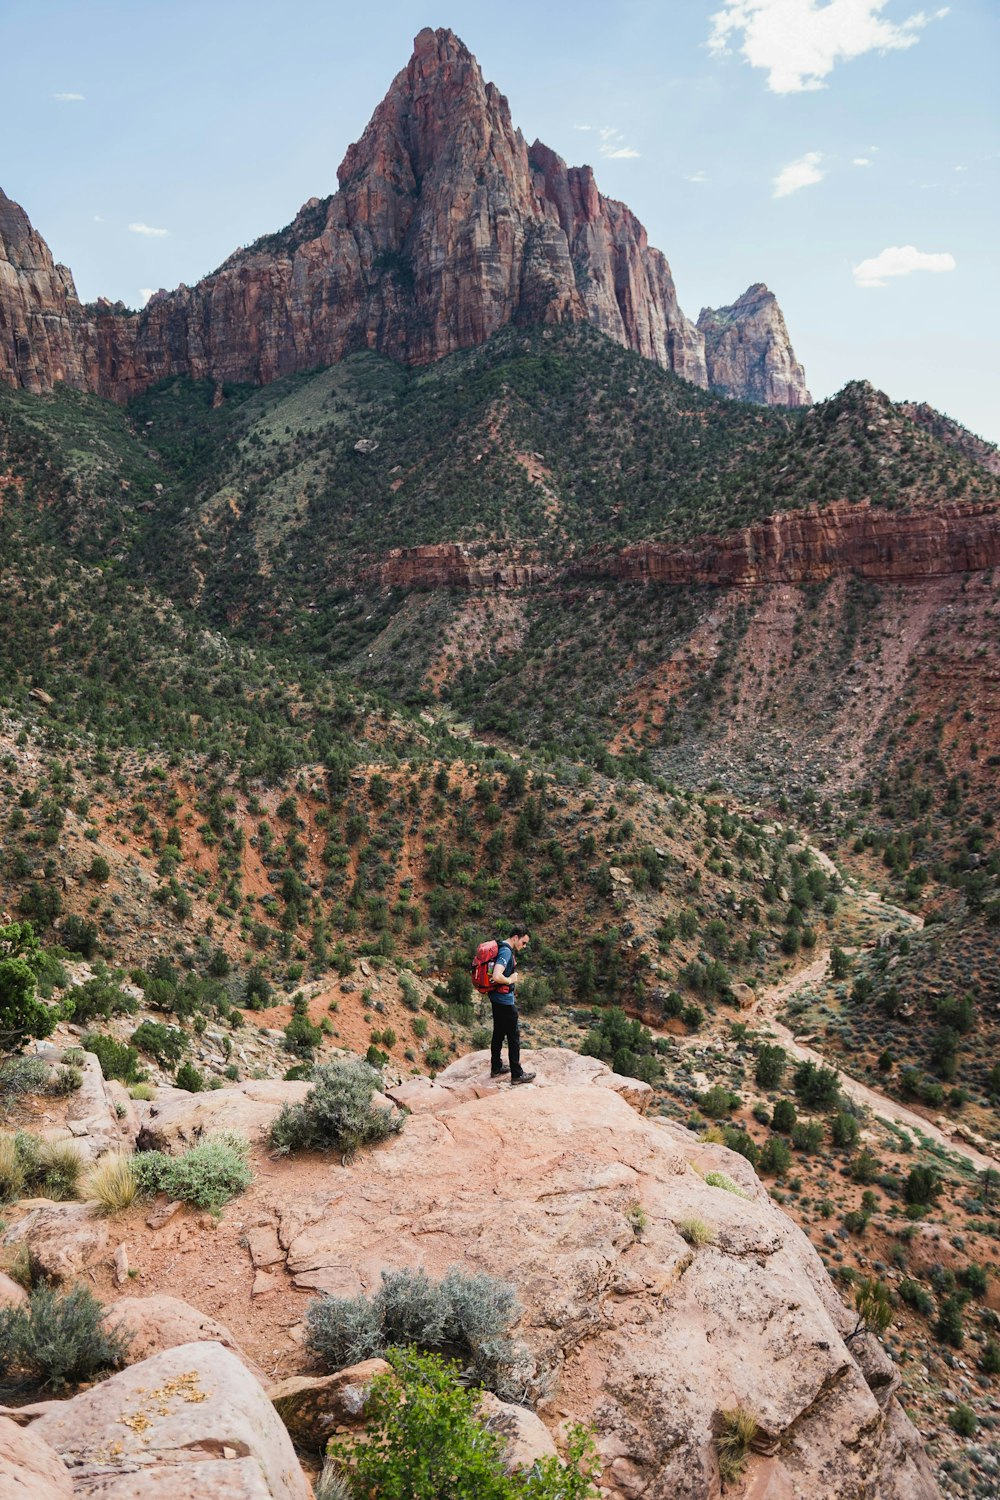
500	975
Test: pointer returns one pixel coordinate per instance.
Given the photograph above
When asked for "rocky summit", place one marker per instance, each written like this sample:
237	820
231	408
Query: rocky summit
447	227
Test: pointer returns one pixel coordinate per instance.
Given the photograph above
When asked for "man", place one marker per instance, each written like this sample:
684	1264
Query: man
504	1006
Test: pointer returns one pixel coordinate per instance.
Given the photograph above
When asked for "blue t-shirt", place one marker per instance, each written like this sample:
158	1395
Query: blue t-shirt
505	956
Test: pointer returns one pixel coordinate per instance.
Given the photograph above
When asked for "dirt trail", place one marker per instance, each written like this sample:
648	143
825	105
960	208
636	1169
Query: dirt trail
773	1000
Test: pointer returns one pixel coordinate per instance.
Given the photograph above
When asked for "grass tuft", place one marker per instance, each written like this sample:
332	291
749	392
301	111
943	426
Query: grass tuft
696	1231
113	1183
737	1429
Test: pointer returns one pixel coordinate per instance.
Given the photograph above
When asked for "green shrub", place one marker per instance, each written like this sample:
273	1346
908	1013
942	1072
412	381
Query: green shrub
22	1014
922	1186
464	1315
963	1420
844	1130
784	1116
424	1442
208	1175
58	1340
117	1059
166	1044
776	1157
770	1067
67	1081
188	1077
817	1087
696	1231
717	1101
949	1327
807	1135
337	1114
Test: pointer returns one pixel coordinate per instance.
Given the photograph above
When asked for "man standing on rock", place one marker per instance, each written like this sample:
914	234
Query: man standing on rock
504	1006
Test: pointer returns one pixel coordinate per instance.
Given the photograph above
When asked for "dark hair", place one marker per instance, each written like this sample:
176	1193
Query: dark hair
517	929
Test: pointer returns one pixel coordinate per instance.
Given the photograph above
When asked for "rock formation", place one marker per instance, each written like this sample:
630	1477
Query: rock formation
748	353
802	546
42	326
446	227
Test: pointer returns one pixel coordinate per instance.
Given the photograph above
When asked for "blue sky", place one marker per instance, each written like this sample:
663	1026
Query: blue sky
788	141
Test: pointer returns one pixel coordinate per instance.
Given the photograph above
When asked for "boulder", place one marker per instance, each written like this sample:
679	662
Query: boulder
647	1338
177	1123
92	1114
29	1468
11	1294
190	1421
525	1436
62	1239
314	1407
160	1322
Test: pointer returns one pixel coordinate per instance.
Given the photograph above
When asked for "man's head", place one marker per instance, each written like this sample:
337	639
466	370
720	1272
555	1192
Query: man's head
518	937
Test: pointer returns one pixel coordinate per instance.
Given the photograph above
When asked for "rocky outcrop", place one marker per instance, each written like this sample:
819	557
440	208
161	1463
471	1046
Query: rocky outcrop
29	1468
446	227
748	353
184	1119
628	1327
43	335
809	546
453	565
62	1239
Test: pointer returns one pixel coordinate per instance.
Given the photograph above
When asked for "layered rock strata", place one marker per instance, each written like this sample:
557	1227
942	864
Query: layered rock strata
446	227
805	546
748	353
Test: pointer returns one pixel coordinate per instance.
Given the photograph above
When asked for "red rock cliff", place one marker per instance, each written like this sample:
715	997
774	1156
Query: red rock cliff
809	546
445	228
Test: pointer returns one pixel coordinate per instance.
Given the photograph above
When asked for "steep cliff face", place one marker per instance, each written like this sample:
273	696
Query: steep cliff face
748	353
446	227
41	324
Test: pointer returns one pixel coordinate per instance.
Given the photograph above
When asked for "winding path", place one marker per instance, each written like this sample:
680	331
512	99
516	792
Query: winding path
764	1014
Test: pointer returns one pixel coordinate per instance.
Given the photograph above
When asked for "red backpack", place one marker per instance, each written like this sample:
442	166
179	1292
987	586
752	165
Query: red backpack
483	964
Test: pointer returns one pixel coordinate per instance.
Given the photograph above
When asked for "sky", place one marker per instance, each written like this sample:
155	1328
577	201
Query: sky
845	152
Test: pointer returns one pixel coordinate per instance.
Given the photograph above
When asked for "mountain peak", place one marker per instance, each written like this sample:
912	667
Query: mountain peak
444	230
748	352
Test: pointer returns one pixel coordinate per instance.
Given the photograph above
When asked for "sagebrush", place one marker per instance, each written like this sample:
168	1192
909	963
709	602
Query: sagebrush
337	1114
58	1340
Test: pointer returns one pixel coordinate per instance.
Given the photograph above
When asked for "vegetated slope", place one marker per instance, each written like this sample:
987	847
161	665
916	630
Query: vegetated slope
539	447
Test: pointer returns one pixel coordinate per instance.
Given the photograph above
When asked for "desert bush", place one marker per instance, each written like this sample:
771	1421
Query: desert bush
696	1231
142	1091
188	1077
807	1135
922	1186
112	1181
11	1170
337	1114
117	1059
58	1169
22	1075
950	1328
844	1130
462	1314
784	1116
208	1175
737	1430
776	1157
424	1442
67	1081
59	1340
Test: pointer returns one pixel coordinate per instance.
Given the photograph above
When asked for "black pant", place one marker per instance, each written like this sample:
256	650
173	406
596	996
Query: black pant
505	1027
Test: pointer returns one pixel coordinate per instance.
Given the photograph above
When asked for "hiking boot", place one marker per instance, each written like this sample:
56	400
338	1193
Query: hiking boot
522	1078
499	1072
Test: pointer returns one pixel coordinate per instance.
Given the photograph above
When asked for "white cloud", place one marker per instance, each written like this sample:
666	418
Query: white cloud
899	260
583	127
69	98
800	42
98	218
799	174
861	161
145	292
613	145
147	229
697	177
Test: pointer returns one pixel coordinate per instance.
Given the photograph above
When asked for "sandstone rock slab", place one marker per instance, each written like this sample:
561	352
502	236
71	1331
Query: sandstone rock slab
160	1322
29	1468
249	1108
190	1421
